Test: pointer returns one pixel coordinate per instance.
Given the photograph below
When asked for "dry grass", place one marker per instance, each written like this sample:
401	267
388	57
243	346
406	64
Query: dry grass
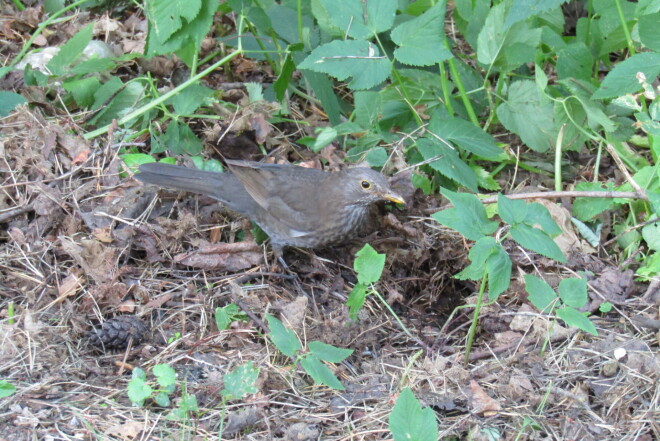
80	245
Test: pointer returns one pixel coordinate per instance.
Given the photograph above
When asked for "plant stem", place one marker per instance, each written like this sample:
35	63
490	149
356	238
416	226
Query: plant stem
475	317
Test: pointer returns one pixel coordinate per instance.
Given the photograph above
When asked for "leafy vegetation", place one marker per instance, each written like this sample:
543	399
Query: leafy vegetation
512	86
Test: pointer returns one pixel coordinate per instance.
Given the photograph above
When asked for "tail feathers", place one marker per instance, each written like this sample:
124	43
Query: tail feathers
184	178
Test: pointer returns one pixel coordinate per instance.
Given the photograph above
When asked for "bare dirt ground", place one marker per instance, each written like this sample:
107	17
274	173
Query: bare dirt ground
82	243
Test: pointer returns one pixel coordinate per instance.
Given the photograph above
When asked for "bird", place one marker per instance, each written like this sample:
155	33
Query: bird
295	206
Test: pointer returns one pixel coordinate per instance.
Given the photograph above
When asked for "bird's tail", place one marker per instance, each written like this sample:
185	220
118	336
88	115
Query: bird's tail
184	178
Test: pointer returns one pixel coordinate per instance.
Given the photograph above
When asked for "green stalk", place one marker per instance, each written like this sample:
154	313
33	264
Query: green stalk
144	109
558	151
626	32
475	317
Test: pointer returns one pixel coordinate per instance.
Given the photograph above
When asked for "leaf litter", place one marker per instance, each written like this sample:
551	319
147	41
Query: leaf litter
81	246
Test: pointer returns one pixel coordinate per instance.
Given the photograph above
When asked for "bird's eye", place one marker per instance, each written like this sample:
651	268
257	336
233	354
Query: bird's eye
365	184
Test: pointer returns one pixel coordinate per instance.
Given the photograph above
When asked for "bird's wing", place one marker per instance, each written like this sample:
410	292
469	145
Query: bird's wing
289	194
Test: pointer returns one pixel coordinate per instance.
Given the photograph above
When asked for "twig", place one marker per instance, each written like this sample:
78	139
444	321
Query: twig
236	291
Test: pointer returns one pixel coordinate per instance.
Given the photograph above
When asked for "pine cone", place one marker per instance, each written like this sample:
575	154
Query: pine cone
117	332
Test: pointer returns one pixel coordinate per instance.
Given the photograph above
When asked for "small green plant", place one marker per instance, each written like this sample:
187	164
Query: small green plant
410	422
226	315
6	389
490	262
139	390
286	341
369	266
572	296
175	337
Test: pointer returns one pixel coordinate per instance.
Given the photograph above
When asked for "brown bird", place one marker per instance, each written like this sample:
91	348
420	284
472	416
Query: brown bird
295	206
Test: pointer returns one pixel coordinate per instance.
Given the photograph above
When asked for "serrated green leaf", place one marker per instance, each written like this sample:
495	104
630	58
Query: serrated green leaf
241	381
575	61
523	9
320	373
421	40
369	265
524	114
138	391
124	102
284	78
623	78
536	240
166	17
409	422
588	208
468	216
82	89
447	162
498	266
357	59
540	293
164	374
328	352
166	36
466	135
189	99
575	318
573	292
357	19
70	51
284	339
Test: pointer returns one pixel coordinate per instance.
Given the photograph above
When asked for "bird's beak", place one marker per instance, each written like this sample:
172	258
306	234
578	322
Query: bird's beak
393	197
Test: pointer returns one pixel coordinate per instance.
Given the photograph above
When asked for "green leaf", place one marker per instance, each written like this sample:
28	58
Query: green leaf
226	315
466	135
623	78
523	9
421	40
506	48
651	234
162	399
488	256
377	157
536	240
573	292
93	65
70	51
515	212
241	381
575	318
165	375
649	31
138	390
526	115
284	78
324	137
9	101
6	389
180	139
409	422
588	208
468	216
320	373
357	19
122	104
540	293
356	300
328	352
189	99
369	265
82	89
182	30
447	162
166	17
575	61
358	59
605	307
284	339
